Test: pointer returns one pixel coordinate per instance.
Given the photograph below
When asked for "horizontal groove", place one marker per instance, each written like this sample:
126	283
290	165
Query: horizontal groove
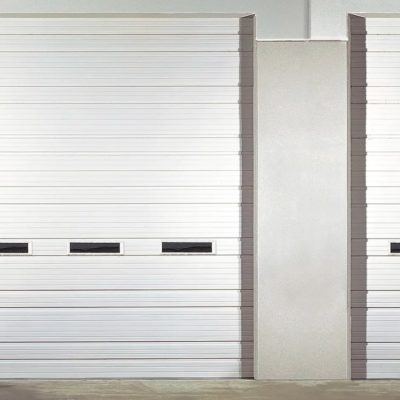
127	290
148	187
143	153
130	359
136	87
128	102
141	87
110	186
358	308
130	51
134	170
116	307
125	203
170	307
246	35
134	341
366	343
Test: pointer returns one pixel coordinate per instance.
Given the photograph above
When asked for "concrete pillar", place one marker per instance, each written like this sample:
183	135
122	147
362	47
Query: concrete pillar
302	307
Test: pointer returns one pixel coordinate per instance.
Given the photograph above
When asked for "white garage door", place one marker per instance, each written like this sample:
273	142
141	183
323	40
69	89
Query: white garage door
127	143
376	198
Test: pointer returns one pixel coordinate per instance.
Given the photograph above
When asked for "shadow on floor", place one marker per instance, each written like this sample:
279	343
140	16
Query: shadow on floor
14	392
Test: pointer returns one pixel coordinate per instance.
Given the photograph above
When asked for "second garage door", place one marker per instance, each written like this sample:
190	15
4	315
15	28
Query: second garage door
376	198
126	198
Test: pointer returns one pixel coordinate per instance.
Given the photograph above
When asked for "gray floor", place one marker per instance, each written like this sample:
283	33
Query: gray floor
188	390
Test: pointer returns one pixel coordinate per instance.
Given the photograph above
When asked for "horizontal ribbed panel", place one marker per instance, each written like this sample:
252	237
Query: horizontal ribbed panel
370	247
126	26
375	325
183	59
175	146
374	76
152	211
154	73
375	351
381	299
126	221
116	231
129	178
161	112
168	128
375	26
374	369
126	350
370	60
126	298
374	213
380	112
376	145
127	77
125	195
92	369
378	95
383	230
376	274
377	262
126	273
128	324
376	280
126	162
129	95
375	128
375	43
159	42
132	214
383	279
373	178
377	162
374	195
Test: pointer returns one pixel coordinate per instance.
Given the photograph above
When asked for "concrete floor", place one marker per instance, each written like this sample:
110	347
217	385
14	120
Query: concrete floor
195	390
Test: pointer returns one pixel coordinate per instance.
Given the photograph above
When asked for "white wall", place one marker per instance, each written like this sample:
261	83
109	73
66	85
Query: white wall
328	18
276	19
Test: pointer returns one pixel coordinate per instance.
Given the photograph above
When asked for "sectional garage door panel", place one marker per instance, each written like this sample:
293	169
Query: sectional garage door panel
123	195
51	273
136	131
143	369
127	95
375	163
139	299
117	179
139	324
126	26
126	350
126	221
154	162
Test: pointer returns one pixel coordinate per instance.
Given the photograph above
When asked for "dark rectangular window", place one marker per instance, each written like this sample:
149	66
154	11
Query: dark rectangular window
14	248
94	248
187	247
395	247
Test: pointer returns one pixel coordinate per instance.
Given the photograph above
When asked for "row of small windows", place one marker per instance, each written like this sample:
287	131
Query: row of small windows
111	248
